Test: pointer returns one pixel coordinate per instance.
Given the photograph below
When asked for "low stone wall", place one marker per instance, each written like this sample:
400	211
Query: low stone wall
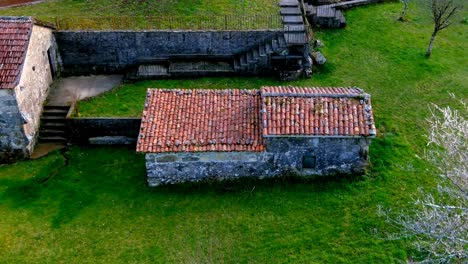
170	168
328	156
80	130
91	52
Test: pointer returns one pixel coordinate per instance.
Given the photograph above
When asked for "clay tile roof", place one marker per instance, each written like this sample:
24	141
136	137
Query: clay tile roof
316	111
14	39
201	120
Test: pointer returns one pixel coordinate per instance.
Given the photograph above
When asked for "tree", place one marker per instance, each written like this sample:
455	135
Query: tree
443	15
439	222
405	9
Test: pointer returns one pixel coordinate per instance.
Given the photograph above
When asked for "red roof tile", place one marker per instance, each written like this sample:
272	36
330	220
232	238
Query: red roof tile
14	39
201	120
316	112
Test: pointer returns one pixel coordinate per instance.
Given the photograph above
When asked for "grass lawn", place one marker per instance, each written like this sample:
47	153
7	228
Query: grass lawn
92	205
180	14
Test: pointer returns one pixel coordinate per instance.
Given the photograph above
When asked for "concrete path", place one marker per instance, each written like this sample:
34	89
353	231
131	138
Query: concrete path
70	89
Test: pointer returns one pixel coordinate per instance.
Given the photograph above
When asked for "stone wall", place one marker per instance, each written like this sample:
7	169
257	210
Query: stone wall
170	168
284	155
89	52
80	130
35	80
21	107
331	155
12	137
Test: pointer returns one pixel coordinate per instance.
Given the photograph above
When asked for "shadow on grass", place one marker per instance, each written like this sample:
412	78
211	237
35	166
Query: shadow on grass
66	184
82	177
249	185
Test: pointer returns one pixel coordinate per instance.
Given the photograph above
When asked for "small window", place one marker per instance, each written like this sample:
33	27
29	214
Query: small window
309	162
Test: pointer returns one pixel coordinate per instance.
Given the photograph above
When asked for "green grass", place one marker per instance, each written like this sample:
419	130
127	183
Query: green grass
92	205
96	208
165	14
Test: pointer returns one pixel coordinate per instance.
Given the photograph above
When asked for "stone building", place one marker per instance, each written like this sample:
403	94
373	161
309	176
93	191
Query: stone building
28	61
192	135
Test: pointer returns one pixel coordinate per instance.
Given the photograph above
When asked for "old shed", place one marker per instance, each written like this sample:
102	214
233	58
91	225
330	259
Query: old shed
192	135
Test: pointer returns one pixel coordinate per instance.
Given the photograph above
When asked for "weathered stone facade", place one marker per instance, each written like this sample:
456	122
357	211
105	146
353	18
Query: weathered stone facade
170	168
13	141
331	155
283	156
21	107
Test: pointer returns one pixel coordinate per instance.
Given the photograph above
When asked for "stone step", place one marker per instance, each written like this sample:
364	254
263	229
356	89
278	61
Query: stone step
53	125
53	118
293	20
52	133
52	139
326	11
293	28
289	3
57	114
296	38
56	107
288	11
55	111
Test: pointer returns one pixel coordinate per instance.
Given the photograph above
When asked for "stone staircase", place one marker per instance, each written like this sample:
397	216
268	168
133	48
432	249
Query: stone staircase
255	60
53	124
295	31
325	16
328	13
286	48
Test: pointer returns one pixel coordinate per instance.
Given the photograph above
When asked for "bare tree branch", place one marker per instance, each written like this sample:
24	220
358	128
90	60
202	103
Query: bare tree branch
443	15
439	224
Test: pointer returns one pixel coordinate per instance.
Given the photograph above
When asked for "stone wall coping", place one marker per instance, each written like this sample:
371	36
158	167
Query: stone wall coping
169	31
321	136
332	95
104	118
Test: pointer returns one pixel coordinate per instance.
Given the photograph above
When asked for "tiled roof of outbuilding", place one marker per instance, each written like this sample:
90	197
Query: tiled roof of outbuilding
298	111
14	38
201	120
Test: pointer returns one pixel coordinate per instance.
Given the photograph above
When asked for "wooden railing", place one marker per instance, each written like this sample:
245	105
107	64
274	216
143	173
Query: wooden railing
307	26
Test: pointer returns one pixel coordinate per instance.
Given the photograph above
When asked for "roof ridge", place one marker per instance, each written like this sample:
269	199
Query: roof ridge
295	91
32	20
17	18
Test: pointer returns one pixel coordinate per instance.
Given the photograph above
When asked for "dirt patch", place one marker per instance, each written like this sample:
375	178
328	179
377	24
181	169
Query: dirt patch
75	88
